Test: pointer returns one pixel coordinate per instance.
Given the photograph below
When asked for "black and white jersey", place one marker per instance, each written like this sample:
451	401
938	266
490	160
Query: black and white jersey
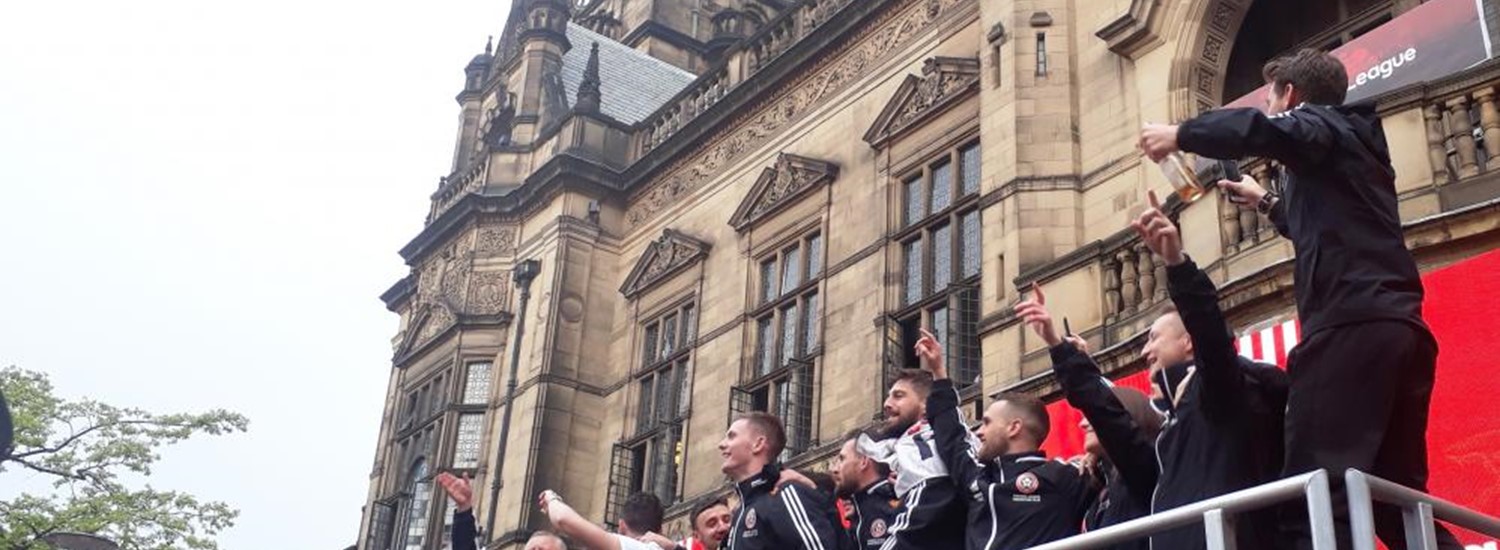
794	518
931	515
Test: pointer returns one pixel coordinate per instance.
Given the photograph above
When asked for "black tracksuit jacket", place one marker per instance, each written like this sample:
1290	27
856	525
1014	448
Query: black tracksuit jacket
795	517
1119	500
1223	429
1018	501
875	509
1339	208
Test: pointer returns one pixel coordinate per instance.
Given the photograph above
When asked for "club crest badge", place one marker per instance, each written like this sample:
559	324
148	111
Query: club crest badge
1027	483
750	519
877	529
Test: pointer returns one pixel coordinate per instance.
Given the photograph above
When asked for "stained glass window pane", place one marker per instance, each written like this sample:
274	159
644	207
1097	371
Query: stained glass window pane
416	519
477	384
668	336
968	158
788	333
814	256
768	280
466	448
684	389
939	325
791	270
911	253
689	324
653	338
810	320
969	247
643	419
665	394
942	257
915	207
765	338
942	186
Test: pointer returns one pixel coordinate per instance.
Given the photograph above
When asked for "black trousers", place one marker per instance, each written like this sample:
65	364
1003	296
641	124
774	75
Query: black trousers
1359	399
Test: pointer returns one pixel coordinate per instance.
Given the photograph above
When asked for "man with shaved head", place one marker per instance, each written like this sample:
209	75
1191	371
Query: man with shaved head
1224	413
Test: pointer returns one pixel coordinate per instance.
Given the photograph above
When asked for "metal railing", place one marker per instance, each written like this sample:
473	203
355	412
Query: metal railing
1419	511
1215	514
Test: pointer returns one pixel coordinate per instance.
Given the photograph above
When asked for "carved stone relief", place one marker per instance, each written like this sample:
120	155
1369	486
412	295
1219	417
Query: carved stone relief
869	47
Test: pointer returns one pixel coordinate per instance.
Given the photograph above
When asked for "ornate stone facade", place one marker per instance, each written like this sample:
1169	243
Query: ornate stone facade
745	217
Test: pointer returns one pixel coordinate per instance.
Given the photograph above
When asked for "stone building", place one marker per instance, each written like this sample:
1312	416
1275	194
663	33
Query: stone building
753	204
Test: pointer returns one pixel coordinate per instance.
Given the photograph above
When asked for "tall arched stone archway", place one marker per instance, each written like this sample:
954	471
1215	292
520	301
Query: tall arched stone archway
1204	34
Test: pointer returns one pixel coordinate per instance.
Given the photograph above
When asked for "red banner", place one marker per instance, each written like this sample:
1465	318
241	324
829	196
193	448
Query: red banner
1436	39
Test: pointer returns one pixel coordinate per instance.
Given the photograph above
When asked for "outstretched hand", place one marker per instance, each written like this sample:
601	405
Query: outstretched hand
1159	233
1158	141
1033	312
459	489
930	353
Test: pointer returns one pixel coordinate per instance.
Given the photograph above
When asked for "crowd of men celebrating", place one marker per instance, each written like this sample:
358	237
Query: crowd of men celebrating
1355	394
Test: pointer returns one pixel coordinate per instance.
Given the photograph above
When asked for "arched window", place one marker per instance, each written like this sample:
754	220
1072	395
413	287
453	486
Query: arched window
420	489
1277	27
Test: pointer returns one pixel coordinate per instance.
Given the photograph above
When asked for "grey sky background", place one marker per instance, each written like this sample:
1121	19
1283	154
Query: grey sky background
199	205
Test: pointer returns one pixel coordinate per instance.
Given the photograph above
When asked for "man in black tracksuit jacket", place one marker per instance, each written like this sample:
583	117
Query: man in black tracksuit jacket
1126	485
1223	412
793	517
1362	375
875	508
790	518
867	485
1017	498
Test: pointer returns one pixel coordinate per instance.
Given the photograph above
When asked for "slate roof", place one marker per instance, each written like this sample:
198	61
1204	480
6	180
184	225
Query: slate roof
633	84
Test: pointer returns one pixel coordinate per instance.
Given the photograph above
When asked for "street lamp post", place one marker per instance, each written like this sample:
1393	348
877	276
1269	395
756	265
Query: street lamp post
523	273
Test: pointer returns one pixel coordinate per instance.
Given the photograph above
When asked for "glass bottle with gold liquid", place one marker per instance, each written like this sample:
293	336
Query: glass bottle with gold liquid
1180	174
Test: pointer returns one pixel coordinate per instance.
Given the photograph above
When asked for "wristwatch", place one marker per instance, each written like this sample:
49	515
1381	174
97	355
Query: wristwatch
1266	202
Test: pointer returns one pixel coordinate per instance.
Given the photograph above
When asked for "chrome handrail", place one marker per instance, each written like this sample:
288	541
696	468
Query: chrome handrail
1215	514
1419	511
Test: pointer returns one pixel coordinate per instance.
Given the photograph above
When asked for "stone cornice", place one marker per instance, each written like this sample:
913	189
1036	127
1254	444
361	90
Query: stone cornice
463	322
397	295
563	171
1136	31
652	29
839	61
663	259
781	185
944	81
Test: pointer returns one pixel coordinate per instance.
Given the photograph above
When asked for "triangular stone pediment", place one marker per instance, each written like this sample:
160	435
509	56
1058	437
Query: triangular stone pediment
943	81
666	257
780	185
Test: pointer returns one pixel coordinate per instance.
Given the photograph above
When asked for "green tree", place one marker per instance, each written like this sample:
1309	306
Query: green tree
84	447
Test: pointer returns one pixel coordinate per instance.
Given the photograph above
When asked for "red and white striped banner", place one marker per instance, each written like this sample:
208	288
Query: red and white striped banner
1272	343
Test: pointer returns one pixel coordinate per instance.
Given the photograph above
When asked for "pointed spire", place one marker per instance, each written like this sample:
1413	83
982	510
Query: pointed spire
589	97
489	45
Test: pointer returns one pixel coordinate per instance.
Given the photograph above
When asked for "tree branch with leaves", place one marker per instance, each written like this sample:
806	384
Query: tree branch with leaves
84	447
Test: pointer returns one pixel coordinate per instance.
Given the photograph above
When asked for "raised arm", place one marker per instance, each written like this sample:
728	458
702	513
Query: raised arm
1197	300
948	429
1085	388
1294	137
570	524
459	489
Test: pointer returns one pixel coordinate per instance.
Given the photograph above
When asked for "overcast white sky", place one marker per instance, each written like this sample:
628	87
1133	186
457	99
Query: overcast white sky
199	205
